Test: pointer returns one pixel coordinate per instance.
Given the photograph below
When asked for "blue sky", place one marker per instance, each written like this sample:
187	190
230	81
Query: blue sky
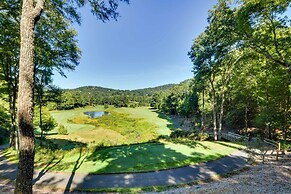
146	47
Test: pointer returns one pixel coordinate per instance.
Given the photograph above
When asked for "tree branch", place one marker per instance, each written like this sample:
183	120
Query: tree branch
38	8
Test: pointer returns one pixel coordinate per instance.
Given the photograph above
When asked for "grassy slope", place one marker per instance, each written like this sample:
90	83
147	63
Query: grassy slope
150	116
90	134
63	116
133	158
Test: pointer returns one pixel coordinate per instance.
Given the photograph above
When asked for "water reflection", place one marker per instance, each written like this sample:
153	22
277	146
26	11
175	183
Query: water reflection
94	114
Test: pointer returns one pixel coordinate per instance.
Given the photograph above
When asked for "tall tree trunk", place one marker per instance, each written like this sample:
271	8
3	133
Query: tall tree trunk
12	107
214	121
214	108
203	106
40	122
286	118
11	79
29	17
14	123
221	114
246	118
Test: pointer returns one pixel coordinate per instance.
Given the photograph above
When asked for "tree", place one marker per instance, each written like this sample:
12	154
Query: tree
242	62
30	15
45	121
263	26
9	58
208	53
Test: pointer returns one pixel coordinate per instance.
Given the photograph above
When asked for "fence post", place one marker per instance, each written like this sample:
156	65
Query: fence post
278	150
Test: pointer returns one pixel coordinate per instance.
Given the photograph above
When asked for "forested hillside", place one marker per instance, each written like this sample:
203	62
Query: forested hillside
94	95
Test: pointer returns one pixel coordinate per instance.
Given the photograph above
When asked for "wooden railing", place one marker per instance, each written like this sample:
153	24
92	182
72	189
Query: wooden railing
235	137
275	145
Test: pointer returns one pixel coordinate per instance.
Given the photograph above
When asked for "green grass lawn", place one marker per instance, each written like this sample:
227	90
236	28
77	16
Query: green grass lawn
88	148
123	126
162	121
63	116
131	158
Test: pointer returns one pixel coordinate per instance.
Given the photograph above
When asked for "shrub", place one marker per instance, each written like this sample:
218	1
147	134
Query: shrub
4	136
191	135
62	130
202	136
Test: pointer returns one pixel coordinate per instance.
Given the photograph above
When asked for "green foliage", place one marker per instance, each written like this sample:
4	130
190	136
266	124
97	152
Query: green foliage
48	123
134	130
191	134
62	130
241	63
4	136
286	145
179	100
93	95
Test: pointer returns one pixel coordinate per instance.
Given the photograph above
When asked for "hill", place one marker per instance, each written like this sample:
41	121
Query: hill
96	95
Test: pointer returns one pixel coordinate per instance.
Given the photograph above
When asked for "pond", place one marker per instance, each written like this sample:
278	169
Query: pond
95	114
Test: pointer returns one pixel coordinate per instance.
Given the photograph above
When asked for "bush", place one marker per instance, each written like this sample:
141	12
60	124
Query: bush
4	136
62	130
191	135
202	136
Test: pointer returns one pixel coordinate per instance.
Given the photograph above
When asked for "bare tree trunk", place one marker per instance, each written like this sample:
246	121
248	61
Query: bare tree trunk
286	115
221	114
29	17
214	122
246	119
203	106
214	108
40	123
11	79
12	106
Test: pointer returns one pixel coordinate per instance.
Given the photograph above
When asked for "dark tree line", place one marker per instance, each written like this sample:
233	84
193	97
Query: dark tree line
93	95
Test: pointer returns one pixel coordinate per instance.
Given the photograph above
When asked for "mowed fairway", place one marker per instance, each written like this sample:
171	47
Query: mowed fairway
63	116
151	116
130	158
148	124
120	142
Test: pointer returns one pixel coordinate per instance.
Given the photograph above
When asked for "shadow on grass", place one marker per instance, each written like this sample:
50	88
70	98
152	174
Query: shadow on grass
8	170
188	142
56	150
143	158
61	144
51	164
187	174
172	124
51	133
77	165
239	146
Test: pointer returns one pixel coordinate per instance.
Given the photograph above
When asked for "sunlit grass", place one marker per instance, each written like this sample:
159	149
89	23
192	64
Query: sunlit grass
122	126
150	116
130	158
62	117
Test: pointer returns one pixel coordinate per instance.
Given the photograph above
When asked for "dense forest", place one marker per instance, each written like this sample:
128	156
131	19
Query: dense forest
93	95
